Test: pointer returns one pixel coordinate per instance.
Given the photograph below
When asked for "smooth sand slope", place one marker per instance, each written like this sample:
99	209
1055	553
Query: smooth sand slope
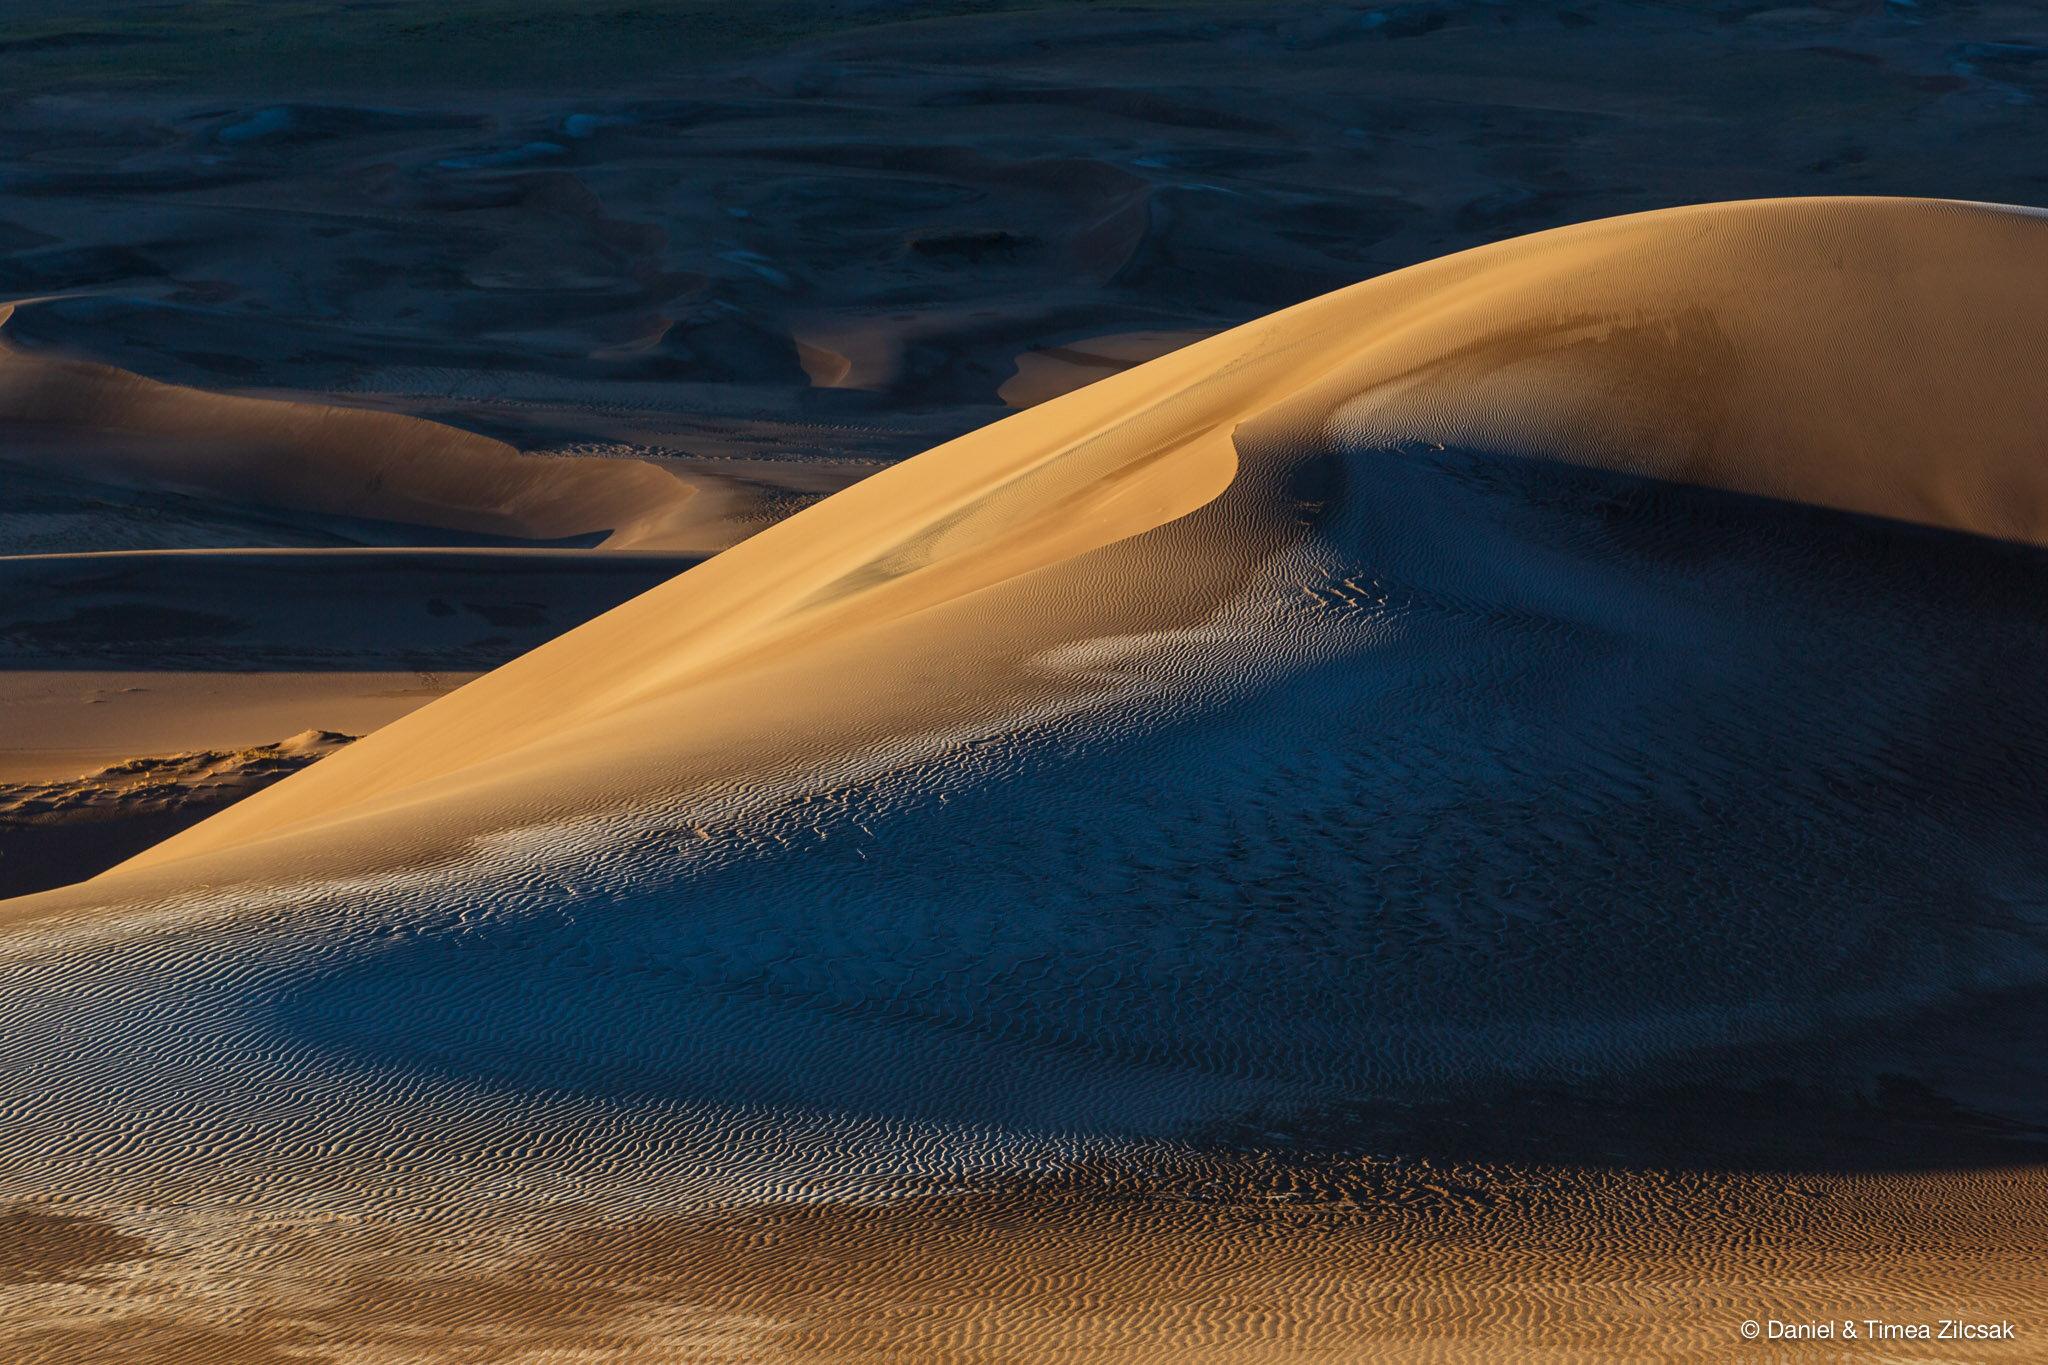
1122	884
80	418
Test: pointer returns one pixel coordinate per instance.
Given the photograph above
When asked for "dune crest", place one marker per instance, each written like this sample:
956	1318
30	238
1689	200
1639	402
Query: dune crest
314	457
1864	354
1873	356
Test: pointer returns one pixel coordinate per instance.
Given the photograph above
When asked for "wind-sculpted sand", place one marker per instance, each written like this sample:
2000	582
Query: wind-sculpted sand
1868	355
123	428
1234	862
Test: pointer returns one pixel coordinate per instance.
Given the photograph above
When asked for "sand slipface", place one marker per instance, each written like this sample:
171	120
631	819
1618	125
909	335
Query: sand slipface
1155	801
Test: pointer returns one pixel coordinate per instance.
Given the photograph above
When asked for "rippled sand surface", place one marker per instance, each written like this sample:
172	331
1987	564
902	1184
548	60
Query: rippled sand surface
1541	1266
1492	813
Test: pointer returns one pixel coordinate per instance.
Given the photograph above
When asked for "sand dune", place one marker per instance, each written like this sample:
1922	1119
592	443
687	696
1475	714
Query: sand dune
345	461
1742	346
1242	754
63	723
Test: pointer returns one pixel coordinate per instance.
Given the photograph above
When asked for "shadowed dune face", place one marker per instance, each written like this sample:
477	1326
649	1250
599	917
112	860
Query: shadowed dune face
1252	736
1515	772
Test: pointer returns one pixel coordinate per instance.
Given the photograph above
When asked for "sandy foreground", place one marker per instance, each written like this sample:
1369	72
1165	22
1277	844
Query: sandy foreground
1488	814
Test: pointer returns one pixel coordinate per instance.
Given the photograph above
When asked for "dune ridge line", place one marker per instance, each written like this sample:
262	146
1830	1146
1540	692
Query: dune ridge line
1872	355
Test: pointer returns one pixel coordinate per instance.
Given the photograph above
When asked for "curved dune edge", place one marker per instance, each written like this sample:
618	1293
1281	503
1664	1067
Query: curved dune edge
1870	355
1051	372
334	460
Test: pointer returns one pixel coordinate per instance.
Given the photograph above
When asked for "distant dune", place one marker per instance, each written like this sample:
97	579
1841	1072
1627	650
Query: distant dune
103	422
63	831
1591	664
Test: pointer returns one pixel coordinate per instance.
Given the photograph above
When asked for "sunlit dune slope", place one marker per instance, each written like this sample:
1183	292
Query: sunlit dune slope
1877	356
114	425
